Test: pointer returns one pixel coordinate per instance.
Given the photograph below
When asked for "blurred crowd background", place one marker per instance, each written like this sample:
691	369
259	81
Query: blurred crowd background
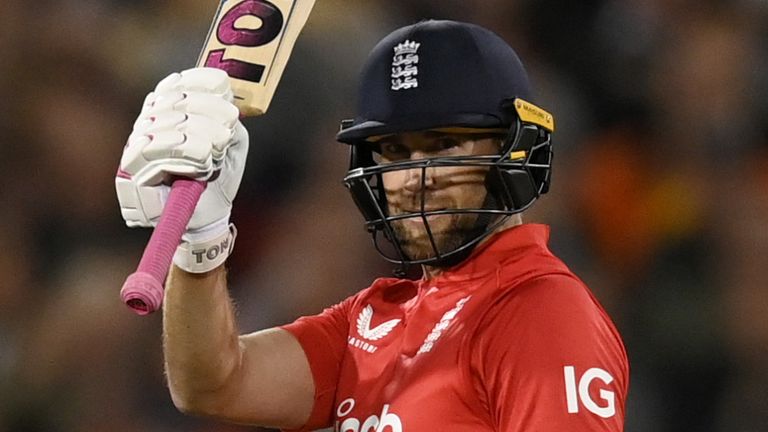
659	199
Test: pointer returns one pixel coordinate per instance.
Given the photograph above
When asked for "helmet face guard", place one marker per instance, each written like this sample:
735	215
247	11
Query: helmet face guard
515	178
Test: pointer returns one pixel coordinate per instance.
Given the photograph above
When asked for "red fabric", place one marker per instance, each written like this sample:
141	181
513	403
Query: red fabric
554	323
323	339
496	344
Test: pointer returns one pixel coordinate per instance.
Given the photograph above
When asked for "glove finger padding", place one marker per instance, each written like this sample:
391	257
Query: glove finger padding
155	136
211	106
219	136
201	80
166	154
220	193
160	121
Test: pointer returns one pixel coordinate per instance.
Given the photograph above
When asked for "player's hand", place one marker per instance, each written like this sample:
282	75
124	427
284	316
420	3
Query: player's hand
188	127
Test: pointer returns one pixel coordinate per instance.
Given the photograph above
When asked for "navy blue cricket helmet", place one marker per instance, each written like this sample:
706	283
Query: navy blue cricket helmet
447	74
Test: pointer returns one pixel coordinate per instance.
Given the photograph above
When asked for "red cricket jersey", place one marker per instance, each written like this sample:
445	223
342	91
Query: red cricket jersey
509	341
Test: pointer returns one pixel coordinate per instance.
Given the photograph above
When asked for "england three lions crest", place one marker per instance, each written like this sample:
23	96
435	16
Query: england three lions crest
405	66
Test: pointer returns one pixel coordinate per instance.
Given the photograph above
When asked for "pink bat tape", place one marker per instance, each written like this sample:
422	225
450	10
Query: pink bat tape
143	290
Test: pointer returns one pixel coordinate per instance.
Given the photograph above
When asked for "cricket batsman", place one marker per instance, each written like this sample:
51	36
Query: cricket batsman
448	149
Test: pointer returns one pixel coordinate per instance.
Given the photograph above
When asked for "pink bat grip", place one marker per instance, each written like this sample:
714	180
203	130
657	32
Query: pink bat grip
143	290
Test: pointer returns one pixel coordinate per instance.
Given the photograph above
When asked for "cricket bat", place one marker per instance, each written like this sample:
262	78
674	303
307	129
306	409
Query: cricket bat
251	40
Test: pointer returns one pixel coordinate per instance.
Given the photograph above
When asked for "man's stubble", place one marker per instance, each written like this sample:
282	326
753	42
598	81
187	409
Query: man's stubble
447	236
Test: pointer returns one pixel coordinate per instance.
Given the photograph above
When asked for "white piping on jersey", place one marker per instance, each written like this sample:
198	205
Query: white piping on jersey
443	324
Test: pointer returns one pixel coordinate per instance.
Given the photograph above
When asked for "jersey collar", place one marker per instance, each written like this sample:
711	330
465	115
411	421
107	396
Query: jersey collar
505	247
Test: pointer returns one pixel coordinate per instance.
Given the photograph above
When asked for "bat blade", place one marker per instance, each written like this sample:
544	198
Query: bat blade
252	40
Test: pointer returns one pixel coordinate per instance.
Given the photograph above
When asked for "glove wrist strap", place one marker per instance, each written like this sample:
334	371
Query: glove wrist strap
204	251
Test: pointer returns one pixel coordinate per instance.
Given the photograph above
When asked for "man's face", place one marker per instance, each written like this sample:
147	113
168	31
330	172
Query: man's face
441	187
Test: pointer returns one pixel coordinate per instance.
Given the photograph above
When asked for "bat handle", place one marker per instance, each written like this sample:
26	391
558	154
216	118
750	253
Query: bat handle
143	290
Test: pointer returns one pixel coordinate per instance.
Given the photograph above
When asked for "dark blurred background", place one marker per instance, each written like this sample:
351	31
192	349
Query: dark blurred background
659	200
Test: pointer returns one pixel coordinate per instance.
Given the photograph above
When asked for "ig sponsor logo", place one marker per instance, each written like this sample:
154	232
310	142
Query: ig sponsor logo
384	422
608	398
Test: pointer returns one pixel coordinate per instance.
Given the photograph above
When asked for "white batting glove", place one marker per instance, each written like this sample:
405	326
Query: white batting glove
188	127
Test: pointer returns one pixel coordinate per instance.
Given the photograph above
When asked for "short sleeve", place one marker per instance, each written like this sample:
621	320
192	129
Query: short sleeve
323	338
547	358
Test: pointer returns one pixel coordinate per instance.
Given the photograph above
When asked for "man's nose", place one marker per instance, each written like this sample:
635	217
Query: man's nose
418	178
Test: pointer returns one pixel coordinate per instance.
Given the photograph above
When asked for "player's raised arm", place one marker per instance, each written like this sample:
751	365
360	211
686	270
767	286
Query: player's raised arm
260	379
189	127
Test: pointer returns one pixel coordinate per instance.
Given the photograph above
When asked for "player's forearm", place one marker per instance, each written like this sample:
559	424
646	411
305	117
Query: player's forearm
201	347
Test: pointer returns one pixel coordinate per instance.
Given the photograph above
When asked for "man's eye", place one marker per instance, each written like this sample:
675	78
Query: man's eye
447	143
394	149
